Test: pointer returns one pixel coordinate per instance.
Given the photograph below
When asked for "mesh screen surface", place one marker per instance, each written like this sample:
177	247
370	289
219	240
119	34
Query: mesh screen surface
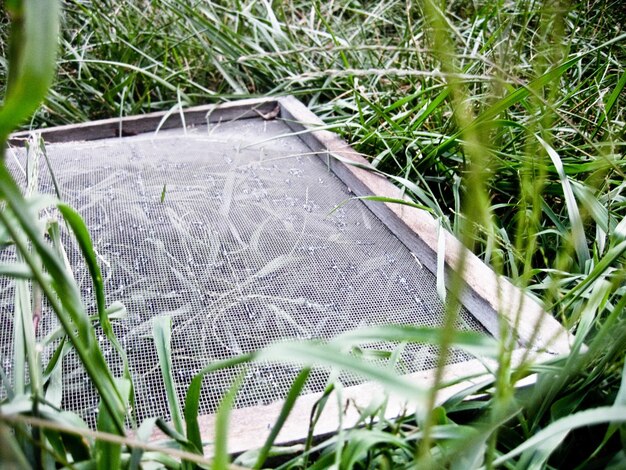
244	250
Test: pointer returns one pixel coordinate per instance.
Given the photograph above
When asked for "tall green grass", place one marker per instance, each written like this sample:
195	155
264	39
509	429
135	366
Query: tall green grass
505	119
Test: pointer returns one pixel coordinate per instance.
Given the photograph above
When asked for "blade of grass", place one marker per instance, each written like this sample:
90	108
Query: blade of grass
192	399
10	451
578	231
610	103
221	458
109	454
32	54
81	233
563	426
290	400
470	341
162	331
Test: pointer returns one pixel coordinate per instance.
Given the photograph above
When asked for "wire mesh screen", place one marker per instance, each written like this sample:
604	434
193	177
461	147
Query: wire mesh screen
241	235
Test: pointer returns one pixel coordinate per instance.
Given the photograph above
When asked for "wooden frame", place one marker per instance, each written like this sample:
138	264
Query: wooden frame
491	298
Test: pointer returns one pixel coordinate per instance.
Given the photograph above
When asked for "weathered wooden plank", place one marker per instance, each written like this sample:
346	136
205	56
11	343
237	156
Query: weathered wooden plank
133	125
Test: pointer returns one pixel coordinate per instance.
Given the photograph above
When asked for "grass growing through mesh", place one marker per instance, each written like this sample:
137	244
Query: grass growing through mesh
505	119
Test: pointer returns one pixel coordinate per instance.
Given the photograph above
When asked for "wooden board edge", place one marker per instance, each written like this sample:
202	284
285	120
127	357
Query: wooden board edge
535	327
132	125
249	427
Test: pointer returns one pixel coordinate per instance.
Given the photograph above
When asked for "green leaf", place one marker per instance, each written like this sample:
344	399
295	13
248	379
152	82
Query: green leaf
55	440
19	339
568	404
16	270
192	399
535	458
173	433
599	270
221	458
544	440
162	330
289	402
79	228
11	454
610	102
595	208
163	193
32	60
327	354
360	441
473	342
144	432
77	446
578	230
109	454
54	374
471	455
599	295
77	224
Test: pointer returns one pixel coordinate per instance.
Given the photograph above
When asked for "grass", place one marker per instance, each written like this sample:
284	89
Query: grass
505	119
